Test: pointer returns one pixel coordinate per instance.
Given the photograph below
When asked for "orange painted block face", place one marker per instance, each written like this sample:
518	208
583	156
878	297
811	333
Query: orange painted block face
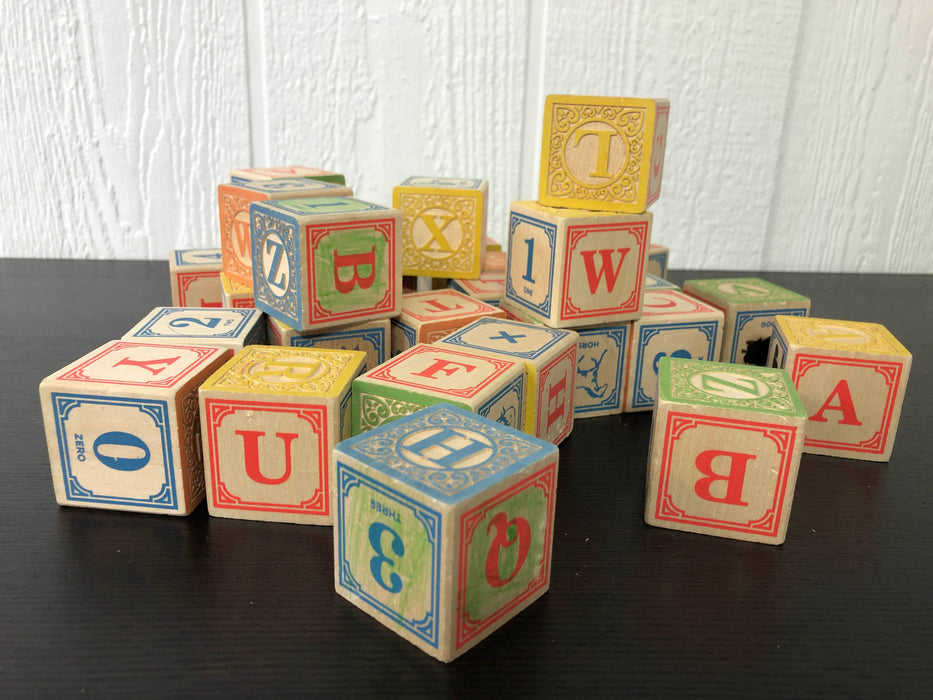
725	450
852	378
570	268
270	418
602	153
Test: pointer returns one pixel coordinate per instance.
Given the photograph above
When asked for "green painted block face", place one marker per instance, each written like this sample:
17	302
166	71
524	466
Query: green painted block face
352	266
723	385
322	206
744	290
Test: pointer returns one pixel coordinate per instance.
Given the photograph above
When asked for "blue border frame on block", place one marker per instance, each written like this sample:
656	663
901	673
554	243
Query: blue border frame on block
246	314
287	308
165	499
550	230
517	386
428	628
743	317
619	335
378	337
557	335
709	328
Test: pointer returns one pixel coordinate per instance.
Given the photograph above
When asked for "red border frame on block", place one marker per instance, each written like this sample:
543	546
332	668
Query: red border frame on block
189	278
652	195
221	497
544	479
783	438
542	381
75	374
638	229
890	371
314	233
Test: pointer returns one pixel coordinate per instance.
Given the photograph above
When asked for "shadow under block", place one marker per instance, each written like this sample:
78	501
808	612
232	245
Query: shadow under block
658	256
444	526
725	450
425	375
673	324
750	305
235	294
570	268
602	153
122	426
443	225
245	175
233	202
427	317
195	277
228	328
270	418
550	359
371	337
851	377
326	261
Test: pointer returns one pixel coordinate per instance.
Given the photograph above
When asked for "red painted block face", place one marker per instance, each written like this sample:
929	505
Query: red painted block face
852	378
725	449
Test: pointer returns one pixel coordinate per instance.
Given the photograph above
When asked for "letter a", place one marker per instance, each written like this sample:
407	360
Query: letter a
844	406
251	453
735	477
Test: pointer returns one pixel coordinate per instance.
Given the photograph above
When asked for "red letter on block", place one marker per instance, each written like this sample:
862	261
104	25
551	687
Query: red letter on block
442	366
735	476
354	260
251	450
845	406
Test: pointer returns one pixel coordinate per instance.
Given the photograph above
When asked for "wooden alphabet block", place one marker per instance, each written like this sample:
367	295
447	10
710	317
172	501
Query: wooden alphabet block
122	426
571	268
426	375
233	201
550	359
325	261
602	153
373	338
725	449
750	305
443	225
245	175
489	288
658	256
195	277
673	324
495	261
491	244
448	534
270	418
235	294
851	377
228	328
428	316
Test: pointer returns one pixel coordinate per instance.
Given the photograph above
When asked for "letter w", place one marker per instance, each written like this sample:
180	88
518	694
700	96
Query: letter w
611	273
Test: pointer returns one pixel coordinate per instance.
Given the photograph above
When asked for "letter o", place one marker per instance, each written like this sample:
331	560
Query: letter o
120	439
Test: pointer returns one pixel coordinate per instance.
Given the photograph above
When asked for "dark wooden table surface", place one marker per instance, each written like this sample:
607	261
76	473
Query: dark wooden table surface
97	602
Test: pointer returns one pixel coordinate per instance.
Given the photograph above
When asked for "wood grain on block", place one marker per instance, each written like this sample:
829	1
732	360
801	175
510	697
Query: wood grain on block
270	418
371	337
425	375
236	295
325	261
428	316
725	450
489	288
750	305
449	537
673	324
122	426
443	225
658	257
602	153
233	202
243	175
570	268
195	277
228	328
549	356
851	377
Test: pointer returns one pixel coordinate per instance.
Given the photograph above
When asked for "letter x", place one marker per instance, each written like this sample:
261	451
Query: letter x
505	336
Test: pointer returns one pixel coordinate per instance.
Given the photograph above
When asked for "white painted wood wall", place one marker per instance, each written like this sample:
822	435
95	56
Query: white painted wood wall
801	133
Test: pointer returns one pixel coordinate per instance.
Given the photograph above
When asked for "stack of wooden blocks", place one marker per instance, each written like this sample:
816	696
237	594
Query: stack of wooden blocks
330	376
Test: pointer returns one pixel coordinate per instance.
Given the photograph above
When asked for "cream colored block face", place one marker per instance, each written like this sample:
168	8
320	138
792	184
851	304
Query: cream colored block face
427	317
270	419
852	378
602	153
195	277
122	427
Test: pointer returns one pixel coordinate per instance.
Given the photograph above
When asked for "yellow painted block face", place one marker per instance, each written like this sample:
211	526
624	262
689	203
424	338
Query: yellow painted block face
298	372
840	336
443	227
602	153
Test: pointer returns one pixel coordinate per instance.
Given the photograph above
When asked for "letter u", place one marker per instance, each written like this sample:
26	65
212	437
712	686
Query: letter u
251	456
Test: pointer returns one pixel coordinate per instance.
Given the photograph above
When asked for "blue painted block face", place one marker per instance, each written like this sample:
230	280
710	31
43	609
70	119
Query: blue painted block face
274	240
489	488
600	382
